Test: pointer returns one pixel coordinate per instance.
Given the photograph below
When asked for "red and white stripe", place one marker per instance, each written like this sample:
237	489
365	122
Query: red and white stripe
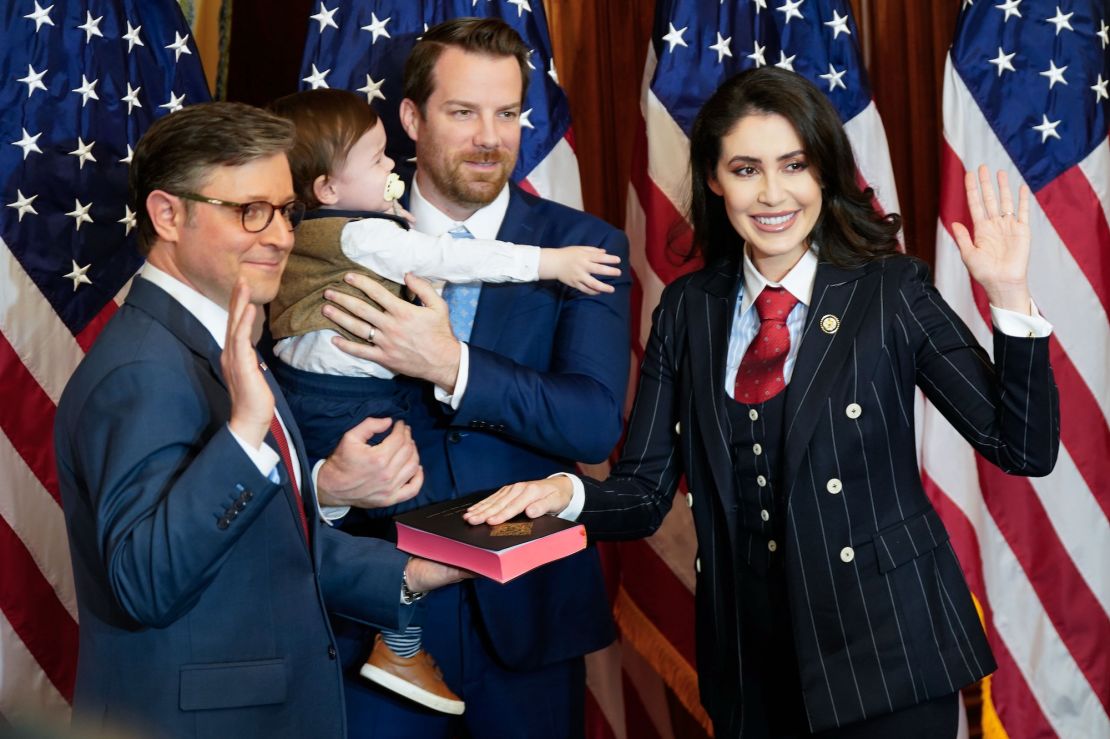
38	606
556	176
658	575
1037	551
38	611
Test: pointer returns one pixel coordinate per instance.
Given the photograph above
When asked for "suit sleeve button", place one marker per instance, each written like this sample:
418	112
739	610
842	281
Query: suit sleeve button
853	410
223	523
772	545
454	437
834	486
847	554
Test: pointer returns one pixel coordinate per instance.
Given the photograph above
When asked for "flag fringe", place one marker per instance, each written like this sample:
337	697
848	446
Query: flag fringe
638	630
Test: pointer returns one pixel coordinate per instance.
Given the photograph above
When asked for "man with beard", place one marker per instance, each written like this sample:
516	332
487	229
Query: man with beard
517	381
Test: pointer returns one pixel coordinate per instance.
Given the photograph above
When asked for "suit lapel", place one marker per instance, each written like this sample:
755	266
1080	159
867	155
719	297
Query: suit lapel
157	303
839	293
710	301
497	300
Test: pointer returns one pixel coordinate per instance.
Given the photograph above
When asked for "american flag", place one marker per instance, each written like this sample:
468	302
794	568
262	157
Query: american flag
362	46
1026	91
82	81
697	44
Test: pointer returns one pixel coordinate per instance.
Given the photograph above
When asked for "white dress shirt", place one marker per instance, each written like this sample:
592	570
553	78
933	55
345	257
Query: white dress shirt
484	223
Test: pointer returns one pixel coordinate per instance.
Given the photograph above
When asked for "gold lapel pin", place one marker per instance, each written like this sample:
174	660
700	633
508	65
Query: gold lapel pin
829	323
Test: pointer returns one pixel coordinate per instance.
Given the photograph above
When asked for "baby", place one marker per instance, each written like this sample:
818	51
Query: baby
355	224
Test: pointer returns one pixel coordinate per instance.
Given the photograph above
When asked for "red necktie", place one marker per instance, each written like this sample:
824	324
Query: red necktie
760	375
283	449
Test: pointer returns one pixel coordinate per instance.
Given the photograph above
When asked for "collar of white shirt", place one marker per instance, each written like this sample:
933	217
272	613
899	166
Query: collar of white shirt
212	316
483	224
798	281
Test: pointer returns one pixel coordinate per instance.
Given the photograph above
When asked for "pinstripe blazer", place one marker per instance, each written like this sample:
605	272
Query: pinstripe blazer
881	613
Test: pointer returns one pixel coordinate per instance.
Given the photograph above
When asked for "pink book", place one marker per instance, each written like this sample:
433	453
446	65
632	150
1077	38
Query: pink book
500	552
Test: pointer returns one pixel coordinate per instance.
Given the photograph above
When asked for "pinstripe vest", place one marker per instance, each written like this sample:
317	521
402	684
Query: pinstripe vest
756	447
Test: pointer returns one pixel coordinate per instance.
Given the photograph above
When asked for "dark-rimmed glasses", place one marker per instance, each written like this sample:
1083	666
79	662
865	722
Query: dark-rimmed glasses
256	215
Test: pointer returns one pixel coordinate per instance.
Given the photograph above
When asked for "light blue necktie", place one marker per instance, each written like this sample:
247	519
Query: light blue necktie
462	298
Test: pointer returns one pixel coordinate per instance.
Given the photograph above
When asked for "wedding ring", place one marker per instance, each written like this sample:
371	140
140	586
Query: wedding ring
1006	213
370	334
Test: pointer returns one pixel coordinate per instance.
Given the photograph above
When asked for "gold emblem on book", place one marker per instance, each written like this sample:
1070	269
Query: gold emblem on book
522	528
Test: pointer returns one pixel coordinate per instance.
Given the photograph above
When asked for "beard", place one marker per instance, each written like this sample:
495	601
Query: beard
463	186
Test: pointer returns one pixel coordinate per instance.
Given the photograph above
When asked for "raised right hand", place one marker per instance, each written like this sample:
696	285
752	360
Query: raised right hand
575	266
252	402
534	498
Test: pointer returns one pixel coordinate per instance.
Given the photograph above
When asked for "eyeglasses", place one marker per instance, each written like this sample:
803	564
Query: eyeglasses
256	215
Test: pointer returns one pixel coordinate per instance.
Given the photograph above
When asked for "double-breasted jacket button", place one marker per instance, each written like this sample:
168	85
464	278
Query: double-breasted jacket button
697	565
753	414
834	486
757	449
765	514
690	500
678	427
847	554
331	652
853	410
772	545
761	481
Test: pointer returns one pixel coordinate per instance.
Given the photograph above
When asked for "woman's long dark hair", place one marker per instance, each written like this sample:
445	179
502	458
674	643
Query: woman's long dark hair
849	230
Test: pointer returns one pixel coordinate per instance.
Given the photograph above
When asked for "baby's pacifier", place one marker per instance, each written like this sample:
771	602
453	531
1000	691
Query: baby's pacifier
394	187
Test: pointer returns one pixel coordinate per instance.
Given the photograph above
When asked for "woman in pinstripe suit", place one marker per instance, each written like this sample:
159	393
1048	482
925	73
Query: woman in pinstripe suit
780	380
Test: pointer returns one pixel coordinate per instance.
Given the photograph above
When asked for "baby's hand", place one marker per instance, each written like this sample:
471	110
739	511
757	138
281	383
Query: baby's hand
575	266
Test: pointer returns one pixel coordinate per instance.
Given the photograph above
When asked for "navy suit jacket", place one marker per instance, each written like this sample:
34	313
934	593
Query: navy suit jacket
881	614
548	374
201	605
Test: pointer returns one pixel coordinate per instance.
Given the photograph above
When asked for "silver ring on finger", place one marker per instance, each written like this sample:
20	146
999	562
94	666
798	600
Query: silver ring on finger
371	334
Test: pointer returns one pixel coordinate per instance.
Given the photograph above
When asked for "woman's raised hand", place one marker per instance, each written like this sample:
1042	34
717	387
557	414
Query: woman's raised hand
998	255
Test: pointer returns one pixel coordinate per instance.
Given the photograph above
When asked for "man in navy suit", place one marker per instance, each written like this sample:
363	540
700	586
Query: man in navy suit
202	568
519	380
